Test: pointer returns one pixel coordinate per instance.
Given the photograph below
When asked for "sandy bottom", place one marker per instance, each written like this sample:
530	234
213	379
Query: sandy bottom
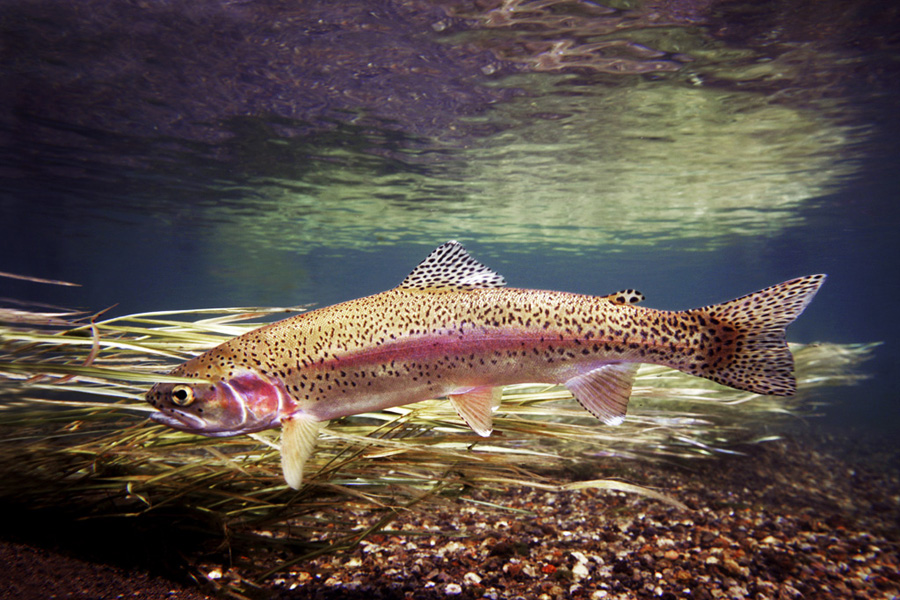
784	520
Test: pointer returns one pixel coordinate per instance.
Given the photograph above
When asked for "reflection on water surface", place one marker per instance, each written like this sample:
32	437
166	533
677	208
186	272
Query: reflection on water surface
569	123
634	164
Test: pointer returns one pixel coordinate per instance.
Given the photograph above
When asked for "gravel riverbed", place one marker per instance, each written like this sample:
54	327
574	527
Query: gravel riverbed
783	520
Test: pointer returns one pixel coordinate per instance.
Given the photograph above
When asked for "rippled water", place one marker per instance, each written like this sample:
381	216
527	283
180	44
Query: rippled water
186	154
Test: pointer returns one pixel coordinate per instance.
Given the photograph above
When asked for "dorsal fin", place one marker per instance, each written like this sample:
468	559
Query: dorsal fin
625	297
449	267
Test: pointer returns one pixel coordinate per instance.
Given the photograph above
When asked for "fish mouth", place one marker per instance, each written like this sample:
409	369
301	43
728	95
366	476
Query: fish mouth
193	424
180	420
190	423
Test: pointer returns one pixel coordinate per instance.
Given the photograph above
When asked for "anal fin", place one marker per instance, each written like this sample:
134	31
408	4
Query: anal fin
604	392
298	438
475	407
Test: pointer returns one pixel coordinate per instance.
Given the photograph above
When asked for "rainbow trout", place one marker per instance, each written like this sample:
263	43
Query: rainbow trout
453	329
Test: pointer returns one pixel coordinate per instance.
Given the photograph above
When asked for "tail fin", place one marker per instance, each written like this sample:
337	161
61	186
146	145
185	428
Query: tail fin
748	350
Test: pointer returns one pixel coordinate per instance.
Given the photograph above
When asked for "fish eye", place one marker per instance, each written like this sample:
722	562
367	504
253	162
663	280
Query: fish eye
182	395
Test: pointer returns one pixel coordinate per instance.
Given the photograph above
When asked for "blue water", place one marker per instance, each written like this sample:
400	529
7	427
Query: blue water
255	157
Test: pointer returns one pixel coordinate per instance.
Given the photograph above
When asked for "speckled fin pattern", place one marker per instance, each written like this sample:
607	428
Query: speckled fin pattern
449	267
604	392
625	297
756	358
476	406
298	438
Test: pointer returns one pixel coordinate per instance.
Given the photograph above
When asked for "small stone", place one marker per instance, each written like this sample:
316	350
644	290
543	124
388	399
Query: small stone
731	566
471	578
671	555
579	556
580	571
453	589
451	547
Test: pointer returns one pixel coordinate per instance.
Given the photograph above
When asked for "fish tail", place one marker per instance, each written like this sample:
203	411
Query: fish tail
745	347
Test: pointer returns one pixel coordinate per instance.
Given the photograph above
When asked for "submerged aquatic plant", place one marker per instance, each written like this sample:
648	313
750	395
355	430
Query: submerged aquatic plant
75	433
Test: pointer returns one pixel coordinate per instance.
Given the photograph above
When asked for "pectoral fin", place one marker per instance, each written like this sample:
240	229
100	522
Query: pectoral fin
604	392
298	438
475	406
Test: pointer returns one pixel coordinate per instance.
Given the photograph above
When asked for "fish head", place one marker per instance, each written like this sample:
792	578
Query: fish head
243	403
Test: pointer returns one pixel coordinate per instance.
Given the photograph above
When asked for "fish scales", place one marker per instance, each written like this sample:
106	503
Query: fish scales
435	343
453	329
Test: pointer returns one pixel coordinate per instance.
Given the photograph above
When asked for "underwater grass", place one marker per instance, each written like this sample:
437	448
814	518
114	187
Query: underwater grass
75	434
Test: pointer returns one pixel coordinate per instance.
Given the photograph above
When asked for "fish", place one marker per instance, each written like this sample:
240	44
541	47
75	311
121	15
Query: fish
454	329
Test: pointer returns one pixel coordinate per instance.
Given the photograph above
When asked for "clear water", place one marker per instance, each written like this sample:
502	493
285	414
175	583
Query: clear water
213	153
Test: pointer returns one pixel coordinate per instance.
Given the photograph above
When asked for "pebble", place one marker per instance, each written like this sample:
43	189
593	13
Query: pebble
580	571
453	589
742	538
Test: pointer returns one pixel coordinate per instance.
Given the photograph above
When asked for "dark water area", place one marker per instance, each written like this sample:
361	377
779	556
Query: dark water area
176	155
